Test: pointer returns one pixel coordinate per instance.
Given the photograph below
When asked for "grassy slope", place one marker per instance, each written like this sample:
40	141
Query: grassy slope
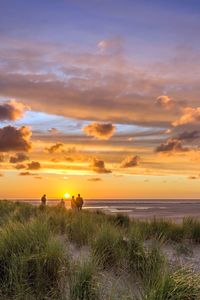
60	254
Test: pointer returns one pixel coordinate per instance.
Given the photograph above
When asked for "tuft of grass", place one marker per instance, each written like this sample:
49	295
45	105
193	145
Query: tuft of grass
107	247
24	212
136	255
81	228
83	282
58	220
161	229
120	220
192	229
147	264
31	260
178	285
16	211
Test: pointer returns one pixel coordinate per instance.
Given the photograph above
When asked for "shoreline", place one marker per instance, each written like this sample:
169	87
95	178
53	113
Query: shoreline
145	210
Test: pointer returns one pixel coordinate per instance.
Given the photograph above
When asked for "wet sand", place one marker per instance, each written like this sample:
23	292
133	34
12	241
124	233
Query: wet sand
175	210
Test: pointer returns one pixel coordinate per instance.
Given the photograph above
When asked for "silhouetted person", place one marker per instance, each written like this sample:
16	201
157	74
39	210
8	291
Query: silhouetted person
62	203
73	203
43	200
79	202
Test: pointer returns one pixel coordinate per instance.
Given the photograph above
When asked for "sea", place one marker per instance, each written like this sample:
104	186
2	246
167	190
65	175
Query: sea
175	209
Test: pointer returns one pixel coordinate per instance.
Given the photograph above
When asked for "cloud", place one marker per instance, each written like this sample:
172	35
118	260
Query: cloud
2	158
54	148
117	95
53	130
130	161
95	179
98	166
103	44
69	159
56	160
114	45
72	150
190	115
186	135
26	174
15	139
118	88
20	166
193	177
164	101
172	145
102	131
12	110
34	165
38	177
1	175
20	157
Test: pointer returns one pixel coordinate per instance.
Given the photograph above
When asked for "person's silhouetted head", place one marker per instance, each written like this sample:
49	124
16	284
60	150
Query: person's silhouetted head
78	195
72	197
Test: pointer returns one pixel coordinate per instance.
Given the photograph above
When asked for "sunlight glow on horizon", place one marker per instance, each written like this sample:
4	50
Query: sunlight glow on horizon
66	195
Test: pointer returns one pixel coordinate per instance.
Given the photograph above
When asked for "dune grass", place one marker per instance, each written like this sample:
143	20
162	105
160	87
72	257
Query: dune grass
36	262
82	228
83	281
146	263
181	284
31	260
192	229
108	246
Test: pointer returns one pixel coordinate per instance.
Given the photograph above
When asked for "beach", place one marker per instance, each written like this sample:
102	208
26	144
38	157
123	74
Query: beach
99	253
171	209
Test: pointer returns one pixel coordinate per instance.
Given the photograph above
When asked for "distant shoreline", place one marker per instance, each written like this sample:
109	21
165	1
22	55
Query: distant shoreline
113	199
175	210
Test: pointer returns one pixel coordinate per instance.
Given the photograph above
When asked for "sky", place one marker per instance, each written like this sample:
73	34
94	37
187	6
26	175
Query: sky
100	97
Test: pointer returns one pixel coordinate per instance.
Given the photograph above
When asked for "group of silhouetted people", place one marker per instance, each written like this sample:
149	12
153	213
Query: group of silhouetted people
76	203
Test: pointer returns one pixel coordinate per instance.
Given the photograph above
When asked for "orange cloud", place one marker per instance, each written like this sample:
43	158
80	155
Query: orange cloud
171	145
164	101
189	135
34	165
54	148
26	174
12	110
193	177
20	166
2	158
98	166
20	157
190	115
15	139
102	131
69	159
38	177
95	179
130	161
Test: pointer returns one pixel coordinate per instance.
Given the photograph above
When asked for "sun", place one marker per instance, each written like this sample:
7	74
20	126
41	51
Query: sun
67	195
